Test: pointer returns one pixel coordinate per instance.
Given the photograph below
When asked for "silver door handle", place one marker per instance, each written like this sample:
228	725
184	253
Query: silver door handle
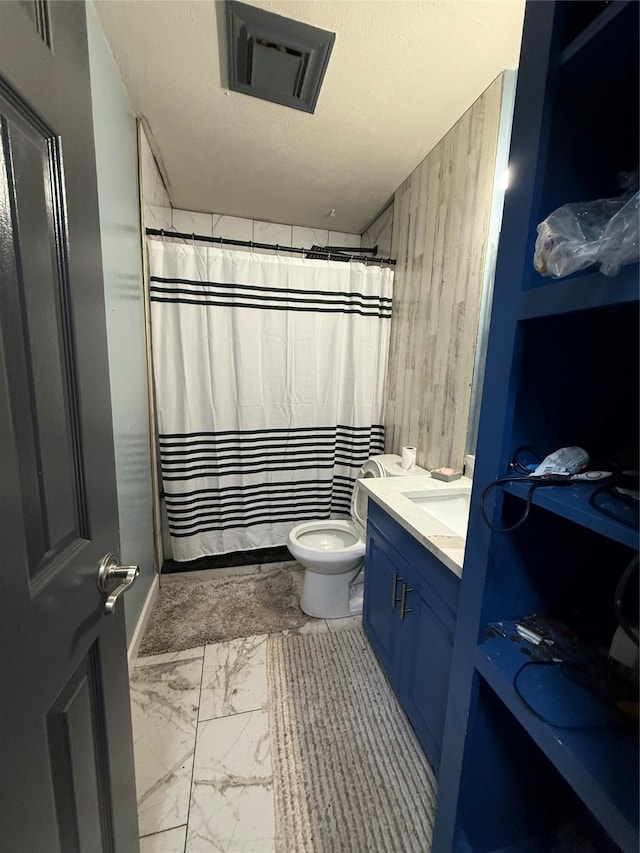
403	605
394	598
109	572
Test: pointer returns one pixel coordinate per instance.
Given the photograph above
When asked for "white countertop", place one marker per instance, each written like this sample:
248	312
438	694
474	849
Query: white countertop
388	492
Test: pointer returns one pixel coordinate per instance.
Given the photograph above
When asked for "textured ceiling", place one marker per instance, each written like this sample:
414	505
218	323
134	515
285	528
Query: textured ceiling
400	75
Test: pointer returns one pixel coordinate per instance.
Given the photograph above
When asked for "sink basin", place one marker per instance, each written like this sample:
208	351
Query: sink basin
450	507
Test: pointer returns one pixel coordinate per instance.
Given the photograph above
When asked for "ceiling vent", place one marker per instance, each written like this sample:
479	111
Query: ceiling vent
275	58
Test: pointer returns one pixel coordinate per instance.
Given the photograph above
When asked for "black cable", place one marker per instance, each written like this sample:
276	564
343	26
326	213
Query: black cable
491	486
619	595
546	720
535	483
537	452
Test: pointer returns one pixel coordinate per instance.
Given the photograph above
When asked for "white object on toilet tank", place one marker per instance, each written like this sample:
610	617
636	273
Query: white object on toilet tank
408	458
392	465
385	465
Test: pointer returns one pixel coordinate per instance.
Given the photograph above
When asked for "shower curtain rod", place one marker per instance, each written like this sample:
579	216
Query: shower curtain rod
331	252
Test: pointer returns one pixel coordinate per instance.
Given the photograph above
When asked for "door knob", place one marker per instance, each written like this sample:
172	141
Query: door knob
114	580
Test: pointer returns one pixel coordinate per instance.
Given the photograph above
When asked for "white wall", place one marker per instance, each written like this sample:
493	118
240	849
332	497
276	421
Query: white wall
156	207
380	232
117	170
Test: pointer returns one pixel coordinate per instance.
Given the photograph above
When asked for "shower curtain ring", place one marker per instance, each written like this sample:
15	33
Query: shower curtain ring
193	239
277	250
162	234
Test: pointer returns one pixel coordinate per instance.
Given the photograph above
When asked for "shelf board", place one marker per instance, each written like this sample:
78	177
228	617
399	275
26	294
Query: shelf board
600	765
572	503
590	290
588	38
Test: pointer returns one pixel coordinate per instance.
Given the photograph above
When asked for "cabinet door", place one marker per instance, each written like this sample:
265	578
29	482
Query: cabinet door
425	651
384	569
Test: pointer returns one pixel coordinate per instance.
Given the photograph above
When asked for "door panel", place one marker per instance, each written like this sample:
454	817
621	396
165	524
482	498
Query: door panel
77	779
384	570
35	302
66	760
427	660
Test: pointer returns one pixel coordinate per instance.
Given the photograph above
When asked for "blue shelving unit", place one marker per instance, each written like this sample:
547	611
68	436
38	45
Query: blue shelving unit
572	503
602	35
581	292
531	757
600	760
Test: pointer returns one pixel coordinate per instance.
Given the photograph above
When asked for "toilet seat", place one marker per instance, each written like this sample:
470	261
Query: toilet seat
325	555
334	527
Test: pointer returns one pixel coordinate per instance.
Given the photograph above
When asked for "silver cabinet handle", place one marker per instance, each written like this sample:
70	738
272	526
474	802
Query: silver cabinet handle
403	601
394	590
109	572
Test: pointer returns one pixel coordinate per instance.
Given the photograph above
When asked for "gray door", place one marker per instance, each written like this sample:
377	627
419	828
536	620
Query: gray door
66	758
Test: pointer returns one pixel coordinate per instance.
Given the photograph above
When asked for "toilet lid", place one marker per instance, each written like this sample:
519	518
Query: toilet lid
371	468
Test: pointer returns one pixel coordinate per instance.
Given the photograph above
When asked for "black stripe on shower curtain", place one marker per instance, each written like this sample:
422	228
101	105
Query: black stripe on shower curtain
188	292
193	456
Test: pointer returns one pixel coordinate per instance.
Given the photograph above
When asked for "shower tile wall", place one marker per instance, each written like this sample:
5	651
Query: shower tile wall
272	232
237	228
440	227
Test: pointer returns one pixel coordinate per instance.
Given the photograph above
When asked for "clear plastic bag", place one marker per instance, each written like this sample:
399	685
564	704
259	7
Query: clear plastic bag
604	232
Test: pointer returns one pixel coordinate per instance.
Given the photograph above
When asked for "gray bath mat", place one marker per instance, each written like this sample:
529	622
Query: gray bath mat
348	772
192	612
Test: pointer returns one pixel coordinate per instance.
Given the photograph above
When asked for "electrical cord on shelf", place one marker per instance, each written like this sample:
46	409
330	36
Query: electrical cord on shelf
618	600
537	452
567	727
534	484
525	472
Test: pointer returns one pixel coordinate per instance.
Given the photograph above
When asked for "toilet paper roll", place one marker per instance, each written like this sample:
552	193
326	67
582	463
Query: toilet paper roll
408	458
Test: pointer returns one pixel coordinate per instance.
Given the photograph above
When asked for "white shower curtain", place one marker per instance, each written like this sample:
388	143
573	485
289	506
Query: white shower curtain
269	375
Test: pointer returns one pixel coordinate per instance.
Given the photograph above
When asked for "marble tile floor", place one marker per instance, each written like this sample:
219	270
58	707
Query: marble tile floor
201	744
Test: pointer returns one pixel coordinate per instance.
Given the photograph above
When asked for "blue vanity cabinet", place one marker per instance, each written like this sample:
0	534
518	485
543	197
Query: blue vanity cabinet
385	569
427	652
409	617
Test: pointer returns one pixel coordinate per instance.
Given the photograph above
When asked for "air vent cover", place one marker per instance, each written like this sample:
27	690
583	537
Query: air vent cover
275	58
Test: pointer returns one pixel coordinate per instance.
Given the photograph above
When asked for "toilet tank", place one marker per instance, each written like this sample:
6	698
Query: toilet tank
391	464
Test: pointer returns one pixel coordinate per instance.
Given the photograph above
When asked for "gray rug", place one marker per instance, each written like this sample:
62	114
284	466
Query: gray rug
191	612
349	774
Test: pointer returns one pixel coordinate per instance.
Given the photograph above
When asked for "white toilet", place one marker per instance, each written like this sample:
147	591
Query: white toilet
332	551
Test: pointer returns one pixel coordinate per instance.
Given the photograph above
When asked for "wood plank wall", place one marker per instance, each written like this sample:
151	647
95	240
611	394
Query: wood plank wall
440	227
